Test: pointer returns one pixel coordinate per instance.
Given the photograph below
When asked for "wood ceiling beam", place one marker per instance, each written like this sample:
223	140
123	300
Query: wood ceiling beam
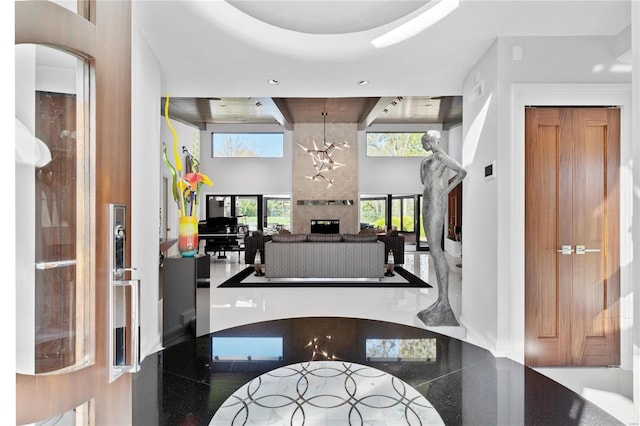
278	111
204	111
375	109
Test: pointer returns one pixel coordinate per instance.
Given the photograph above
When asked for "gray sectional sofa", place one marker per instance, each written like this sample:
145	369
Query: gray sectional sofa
324	256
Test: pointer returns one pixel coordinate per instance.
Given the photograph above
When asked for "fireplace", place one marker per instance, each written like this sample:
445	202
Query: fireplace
325	226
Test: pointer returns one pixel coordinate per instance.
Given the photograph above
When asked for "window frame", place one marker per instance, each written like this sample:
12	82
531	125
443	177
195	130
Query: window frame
213	150
369	155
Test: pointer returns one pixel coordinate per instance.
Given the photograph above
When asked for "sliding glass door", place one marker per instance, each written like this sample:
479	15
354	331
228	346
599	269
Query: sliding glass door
277	214
373	212
268	213
248	210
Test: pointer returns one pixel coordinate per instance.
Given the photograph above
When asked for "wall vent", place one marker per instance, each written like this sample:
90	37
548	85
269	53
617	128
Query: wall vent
477	91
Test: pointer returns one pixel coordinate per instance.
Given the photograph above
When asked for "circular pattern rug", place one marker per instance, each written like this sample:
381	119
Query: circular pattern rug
326	393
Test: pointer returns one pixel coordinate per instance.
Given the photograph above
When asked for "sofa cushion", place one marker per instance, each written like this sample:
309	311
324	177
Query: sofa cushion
324	237
288	238
360	237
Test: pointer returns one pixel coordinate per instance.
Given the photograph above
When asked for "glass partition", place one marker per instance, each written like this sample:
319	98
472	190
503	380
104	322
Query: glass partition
53	238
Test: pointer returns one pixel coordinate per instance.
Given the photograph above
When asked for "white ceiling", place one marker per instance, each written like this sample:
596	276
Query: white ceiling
231	49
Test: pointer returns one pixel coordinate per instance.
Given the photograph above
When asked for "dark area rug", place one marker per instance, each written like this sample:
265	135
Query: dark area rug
412	282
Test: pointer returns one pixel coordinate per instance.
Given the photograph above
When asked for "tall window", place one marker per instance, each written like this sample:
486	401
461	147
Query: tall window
247	144
403	213
394	144
373	212
247	209
278	213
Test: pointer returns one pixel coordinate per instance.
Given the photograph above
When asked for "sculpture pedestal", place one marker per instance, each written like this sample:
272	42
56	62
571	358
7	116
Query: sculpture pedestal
438	314
181	276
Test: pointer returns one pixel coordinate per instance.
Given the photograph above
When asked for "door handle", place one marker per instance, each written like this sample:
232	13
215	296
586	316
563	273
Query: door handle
55	264
124	332
124	312
566	250
581	249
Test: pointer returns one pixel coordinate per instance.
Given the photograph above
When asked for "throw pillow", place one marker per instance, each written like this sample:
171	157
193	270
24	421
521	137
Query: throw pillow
360	237
324	237
288	238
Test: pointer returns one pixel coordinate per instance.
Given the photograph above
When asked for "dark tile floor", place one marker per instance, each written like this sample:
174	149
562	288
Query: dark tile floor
185	385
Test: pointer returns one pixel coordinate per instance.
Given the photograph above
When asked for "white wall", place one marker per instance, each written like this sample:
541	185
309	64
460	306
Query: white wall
493	302
455	143
186	135
145	198
479	200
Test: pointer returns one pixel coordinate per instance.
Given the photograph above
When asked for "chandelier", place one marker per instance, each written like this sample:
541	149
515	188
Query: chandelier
322	161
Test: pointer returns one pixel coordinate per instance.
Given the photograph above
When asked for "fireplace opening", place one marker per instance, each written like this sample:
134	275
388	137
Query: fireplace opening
325	226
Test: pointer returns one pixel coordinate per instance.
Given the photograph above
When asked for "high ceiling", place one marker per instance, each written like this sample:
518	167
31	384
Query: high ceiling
215	53
445	110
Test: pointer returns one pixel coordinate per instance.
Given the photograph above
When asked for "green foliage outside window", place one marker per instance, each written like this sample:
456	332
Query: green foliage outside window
407	221
407	349
394	145
279	212
246	207
372	212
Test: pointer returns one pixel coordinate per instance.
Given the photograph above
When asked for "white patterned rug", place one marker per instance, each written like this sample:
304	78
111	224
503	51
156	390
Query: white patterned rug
321	393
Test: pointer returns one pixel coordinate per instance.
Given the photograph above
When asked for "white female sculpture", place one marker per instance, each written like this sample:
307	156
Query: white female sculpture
434	205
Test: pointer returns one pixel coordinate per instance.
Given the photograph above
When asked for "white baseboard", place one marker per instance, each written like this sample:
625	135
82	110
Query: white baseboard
452	247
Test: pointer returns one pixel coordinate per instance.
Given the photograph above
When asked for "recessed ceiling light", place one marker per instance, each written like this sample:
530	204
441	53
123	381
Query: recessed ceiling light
363	82
273	82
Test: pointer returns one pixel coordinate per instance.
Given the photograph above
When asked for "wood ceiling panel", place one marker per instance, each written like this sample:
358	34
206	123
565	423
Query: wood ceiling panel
339	110
287	111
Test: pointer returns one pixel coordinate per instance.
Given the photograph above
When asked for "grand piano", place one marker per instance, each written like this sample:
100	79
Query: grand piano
222	234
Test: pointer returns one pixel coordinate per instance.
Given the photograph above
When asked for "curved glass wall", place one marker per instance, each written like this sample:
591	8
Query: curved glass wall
53	214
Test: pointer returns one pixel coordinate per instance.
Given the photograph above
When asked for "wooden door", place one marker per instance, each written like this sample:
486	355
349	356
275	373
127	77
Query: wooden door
103	38
572	283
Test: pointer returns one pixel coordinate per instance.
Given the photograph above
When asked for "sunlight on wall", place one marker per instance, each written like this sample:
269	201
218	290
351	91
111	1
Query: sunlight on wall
626	212
470	145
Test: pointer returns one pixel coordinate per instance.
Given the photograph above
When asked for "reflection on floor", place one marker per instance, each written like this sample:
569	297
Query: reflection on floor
189	382
186	384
